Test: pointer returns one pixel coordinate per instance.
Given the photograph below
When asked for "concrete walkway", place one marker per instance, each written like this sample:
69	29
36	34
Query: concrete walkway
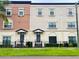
41	57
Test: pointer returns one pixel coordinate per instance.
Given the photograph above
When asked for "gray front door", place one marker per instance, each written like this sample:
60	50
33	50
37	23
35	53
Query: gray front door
22	37
38	37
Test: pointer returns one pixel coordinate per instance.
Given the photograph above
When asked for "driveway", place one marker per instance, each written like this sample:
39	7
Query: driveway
41	57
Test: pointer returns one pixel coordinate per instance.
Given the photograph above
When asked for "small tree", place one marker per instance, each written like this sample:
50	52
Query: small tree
2	10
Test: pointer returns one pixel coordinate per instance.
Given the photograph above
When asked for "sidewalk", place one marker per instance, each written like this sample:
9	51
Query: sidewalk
41	57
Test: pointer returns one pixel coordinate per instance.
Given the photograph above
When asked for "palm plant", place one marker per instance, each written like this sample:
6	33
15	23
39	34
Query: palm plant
2	10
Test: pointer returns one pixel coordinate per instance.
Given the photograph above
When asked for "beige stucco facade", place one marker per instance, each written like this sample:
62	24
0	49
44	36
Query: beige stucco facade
61	18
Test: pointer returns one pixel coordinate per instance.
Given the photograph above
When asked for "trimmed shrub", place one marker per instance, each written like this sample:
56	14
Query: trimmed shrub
29	44
7	46
60	45
72	45
65	44
51	45
75	45
1	46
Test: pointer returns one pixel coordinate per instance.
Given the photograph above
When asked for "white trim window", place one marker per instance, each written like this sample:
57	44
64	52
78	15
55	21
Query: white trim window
51	12
8	26
6	40
72	39
70	12
71	25
8	12
52	25
21	12
40	12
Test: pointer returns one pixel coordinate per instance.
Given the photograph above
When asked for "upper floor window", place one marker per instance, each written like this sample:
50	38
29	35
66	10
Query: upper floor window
8	25
70	12
40	12
51	25
71	25
51	12
21	12
8	12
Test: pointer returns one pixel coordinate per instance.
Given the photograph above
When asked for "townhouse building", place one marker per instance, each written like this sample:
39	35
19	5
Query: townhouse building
18	14
39	23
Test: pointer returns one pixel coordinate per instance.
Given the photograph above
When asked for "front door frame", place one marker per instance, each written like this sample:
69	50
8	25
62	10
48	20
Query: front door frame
38	42
22	33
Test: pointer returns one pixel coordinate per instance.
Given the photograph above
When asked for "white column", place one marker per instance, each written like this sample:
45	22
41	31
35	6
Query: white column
43	44
33	44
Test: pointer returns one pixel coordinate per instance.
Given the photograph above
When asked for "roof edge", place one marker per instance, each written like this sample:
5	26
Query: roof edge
53	3
30	2
19	2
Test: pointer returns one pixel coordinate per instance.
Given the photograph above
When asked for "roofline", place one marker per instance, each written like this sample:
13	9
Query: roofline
29	2
19	2
52	3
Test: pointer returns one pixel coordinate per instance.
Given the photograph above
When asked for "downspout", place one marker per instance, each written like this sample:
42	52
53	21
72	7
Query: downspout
77	24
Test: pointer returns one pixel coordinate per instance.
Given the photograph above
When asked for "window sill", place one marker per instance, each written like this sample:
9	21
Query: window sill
51	28
71	28
7	29
70	15
51	15
39	15
8	15
20	16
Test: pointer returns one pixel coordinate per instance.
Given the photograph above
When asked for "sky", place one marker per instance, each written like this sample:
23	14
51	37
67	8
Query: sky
48	0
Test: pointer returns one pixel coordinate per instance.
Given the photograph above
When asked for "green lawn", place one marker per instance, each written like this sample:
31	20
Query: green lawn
39	51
